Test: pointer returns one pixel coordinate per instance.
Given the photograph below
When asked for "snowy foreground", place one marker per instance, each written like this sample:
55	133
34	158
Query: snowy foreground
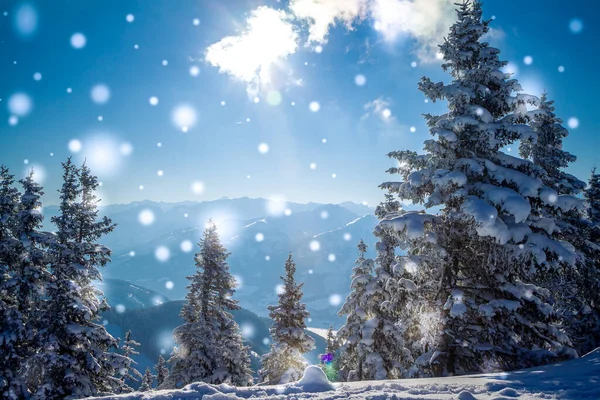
577	379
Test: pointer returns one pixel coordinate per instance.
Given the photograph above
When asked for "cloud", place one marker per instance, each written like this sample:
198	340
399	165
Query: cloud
320	15
268	39
380	108
272	35
427	21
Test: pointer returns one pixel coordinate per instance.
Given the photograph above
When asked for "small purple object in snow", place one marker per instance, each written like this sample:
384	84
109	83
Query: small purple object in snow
327	358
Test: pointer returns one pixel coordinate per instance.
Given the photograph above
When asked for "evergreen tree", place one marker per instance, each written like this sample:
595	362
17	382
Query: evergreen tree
472	268
284	362
358	308
210	347
129	373
23	277
332	342
161	371
76	357
147	381
561	216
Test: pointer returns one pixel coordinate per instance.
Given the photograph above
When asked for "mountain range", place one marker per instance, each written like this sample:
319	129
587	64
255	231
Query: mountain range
158	254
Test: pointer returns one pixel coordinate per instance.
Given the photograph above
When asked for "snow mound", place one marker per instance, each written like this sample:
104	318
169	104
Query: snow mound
314	380
575	379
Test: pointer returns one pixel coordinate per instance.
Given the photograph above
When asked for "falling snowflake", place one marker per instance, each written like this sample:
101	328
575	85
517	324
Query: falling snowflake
129	18
169	285
146	217
153	100
259	237
335	300
162	253
314	106
78	41
100	93
528	60
75	146
197	187
324	214
314	245
263	148
331	257
347	236
360	80
186	246
573	123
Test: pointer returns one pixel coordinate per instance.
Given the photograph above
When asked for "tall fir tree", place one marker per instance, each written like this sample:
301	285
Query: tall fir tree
473	266
285	362
331	342
23	276
210	347
12	382
358	309
147	381
161	371
77	357
561	216
130	373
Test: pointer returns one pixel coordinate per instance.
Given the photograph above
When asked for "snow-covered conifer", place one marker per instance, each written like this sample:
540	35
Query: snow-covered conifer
161	371
285	362
210	347
147	381
358	309
129	373
332	341
23	276
473	266
77	357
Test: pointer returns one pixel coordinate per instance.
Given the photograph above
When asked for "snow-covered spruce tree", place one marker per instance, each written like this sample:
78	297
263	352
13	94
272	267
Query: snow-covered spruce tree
387	356
23	277
562	217
161	371
475	263
332	341
12	334
358	309
285	362
209	344
588	337
147	381
76	357
129	373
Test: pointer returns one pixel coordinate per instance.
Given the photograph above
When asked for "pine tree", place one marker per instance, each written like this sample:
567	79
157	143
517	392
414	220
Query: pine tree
23	277
147	381
76	357
284	362
358	307
472	268
332	342
129	373
161	371
561	216
210	347
587	336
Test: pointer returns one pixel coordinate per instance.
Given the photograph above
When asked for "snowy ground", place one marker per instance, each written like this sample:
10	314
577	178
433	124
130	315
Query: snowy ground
577	379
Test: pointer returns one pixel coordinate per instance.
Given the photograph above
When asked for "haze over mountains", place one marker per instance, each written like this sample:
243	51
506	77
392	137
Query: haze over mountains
258	233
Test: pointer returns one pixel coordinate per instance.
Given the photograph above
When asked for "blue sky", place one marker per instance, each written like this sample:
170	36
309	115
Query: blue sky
272	54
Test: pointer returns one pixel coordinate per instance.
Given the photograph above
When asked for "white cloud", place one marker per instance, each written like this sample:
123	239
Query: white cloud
427	21
322	14
379	107
268	39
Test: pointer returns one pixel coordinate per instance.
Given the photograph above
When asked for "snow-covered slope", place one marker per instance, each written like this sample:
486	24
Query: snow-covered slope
576	379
